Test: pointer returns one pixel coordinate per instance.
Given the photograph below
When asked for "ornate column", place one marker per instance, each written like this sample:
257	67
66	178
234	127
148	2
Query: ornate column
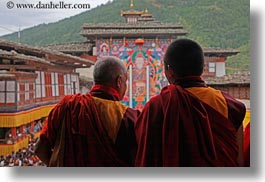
130	87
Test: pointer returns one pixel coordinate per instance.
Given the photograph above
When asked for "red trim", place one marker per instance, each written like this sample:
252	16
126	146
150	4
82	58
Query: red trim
14	132
32	126
10	104
90	58
107	89
220	59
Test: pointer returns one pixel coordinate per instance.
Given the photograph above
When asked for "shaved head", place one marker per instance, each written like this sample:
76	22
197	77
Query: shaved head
185	57
107	69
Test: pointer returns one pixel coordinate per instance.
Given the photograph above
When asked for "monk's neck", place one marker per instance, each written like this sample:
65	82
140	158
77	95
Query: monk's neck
190	81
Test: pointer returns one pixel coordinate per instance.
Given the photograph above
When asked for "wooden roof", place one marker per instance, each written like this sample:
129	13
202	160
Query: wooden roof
235	79
140	25
13	55
11	60
140	29
17	75
52	56
219	52
6	74
72	47
131	12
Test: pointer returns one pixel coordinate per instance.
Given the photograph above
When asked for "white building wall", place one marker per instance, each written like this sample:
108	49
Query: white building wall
220	69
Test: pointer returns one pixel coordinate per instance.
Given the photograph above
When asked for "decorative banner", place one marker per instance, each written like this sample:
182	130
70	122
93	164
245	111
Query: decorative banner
103	47
24	117
142	55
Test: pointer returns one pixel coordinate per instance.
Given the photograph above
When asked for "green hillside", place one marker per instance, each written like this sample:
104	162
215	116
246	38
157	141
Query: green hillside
219	23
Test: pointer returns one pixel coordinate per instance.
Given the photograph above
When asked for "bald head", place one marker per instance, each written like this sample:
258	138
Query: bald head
107	69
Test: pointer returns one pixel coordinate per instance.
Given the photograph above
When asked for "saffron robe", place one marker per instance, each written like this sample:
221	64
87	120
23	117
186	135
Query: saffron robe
99	129
178	128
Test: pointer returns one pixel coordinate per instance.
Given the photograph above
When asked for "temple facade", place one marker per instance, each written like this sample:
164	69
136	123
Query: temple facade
140	42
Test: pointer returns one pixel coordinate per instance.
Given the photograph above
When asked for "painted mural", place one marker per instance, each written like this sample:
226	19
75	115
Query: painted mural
144	57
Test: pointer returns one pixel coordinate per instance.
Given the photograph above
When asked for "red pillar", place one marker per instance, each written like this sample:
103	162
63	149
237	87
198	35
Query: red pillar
21	129
32	126
14	132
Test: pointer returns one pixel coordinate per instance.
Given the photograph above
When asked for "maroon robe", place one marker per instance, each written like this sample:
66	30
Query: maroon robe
177	129
247	146
87	141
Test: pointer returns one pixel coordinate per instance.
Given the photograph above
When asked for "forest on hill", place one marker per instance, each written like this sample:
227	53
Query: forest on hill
218	24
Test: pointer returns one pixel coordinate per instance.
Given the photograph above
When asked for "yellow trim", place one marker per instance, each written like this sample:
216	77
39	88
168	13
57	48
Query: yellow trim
131	13
246	119
212	97
206	95
111	114
20	118
8	149
37	135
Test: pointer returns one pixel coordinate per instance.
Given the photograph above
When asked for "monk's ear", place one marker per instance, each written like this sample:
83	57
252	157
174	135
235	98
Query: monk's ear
119	81
170	74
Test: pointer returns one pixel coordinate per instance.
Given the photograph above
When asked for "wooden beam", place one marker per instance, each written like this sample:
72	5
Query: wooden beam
15	67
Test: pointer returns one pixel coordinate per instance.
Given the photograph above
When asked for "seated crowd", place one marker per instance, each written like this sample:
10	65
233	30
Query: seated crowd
22	158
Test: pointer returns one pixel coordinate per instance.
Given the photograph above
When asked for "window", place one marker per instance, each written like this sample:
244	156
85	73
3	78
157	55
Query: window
26	91
7	92
43	91
2	86
55	87
67	84
132	20
74	84
18	94
2	97
211	67
2	92
40	85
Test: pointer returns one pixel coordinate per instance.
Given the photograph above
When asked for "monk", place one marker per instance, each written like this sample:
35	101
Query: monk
247	146
94	129
188	123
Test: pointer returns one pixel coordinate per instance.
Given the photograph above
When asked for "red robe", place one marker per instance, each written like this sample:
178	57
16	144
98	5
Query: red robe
176	128
247	146
99	129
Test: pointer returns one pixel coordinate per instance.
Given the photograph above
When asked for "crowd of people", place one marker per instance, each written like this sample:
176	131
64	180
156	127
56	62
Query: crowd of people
22	158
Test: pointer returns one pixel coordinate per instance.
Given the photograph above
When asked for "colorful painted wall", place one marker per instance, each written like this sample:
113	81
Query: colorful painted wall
145	68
